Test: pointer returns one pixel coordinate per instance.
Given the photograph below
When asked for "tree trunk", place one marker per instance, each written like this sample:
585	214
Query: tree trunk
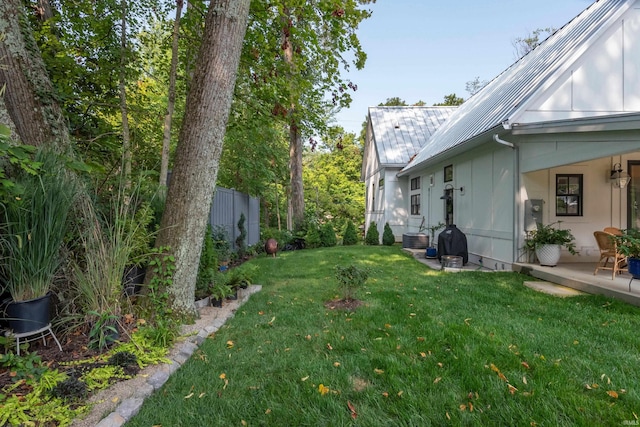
198	154
295	139
166	138
29	94
295	173
126	139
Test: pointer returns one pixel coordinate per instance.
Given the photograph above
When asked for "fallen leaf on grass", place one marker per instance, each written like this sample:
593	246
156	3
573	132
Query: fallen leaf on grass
385	394
323	390
467	320
222	376
512	389
336	364
525	364
201	395
378	371
423	354
329	346
420	338
268	411
437	380
388	326
352	409
304	378
400	393
229	344
189	396
612	393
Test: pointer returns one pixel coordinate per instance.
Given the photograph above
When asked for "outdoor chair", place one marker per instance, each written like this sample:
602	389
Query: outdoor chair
613	230
609	252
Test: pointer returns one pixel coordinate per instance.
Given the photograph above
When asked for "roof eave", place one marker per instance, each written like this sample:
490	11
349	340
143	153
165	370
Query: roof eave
613	122
469	144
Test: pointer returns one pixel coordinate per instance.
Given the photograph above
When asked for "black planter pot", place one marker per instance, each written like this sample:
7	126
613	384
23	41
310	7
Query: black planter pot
133	279
216	302
29	316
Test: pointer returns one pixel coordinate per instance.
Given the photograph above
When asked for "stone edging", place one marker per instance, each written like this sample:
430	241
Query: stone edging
145	384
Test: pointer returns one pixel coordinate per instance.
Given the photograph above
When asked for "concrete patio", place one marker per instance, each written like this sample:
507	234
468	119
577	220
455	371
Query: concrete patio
578	275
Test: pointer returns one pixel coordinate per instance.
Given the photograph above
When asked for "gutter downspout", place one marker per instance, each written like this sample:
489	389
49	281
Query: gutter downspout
516	194
497	139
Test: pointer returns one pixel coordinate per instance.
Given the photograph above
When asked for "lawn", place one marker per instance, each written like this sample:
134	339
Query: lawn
425	348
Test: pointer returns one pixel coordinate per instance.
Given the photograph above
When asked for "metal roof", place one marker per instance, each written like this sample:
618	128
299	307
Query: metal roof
505	95
400	132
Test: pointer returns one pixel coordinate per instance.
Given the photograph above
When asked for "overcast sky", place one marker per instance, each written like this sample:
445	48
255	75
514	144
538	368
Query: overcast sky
422	50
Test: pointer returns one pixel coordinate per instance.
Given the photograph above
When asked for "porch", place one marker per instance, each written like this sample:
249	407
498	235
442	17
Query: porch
579	275
576	275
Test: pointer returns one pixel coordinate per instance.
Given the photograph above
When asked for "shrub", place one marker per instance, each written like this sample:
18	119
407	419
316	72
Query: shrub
388	239
350	236
328	236
350	279
312	239
208	264
373	236
241	240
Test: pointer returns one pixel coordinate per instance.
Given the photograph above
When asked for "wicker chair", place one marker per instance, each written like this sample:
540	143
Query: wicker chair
609	252
613	230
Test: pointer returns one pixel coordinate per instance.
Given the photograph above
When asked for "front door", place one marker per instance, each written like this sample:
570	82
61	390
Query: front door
633	195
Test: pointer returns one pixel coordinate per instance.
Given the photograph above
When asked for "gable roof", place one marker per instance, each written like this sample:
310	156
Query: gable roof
400	132
500	100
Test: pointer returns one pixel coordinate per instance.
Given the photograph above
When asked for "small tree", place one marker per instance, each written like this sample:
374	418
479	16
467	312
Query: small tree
350	236
388	239
350	279
328	236
373	236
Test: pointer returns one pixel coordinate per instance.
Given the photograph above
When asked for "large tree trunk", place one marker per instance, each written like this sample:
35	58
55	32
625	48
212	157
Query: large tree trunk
295	139
198	154
29	95
166	138
126	138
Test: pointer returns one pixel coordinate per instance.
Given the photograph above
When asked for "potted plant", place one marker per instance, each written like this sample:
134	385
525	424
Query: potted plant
219	292
31	239
432	251
629	246
547	240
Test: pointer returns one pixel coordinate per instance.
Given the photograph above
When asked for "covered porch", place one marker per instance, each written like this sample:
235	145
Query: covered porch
579	275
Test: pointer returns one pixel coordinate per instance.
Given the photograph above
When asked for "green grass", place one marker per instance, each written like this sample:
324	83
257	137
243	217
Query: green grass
426	348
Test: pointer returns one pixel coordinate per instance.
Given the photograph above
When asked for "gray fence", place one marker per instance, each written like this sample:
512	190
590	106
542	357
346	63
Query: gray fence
226	209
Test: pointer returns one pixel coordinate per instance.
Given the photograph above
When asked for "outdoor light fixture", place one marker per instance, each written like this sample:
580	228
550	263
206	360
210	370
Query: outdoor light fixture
446	196
619	178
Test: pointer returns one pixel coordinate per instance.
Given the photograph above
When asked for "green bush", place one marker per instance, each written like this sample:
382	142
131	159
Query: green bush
350	279
373	236
241	240
328	236
312	239
388	239
208	265
350	236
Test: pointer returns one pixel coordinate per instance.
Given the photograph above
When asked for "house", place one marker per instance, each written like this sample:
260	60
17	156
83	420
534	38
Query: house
394	136
539	143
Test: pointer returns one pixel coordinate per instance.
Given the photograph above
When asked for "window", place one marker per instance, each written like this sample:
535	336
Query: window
381	183
448	173
569	195
415	204
415	183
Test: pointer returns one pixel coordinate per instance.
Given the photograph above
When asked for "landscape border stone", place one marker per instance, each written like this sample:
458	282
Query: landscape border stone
124	399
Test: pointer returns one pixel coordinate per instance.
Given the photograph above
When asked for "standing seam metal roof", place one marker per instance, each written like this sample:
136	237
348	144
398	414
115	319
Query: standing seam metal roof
400	132
501	98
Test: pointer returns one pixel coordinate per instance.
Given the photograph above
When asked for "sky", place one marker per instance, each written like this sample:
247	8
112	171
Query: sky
423	50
